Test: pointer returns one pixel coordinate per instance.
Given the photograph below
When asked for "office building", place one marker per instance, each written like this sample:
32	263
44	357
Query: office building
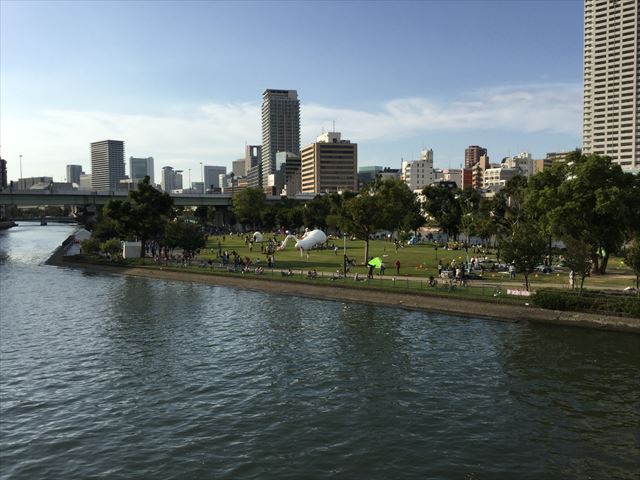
329	165
367	174
280	126
107	165
168	179
140	168
238	168
417	174
73	173
3	174
523	162
472	155
85	182
212	176
286	180
611	124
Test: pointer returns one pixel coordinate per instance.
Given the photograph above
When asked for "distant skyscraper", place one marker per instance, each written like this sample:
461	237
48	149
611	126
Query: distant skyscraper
611	124
472	155
140	168
73	173
212	176
107	164
238	168
280	126
168	180
3	173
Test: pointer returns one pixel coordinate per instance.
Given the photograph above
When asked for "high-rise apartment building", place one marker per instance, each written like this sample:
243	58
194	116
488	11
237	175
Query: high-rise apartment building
280	126
472	155
329	165
140	168
73	173
107	164
610	116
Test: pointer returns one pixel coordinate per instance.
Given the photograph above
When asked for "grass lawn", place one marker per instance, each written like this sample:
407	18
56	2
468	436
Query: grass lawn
416	262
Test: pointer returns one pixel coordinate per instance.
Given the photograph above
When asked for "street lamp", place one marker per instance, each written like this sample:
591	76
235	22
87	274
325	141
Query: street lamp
344	250
190	185
202	176
20	166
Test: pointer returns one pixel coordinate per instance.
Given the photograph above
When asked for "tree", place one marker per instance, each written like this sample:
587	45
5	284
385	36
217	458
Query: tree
360	216
316	211
248	206
90	246
632	259
469	200
185	235
441	204
588	198
524	247
142	216
202	213
401	209
111	247
578	257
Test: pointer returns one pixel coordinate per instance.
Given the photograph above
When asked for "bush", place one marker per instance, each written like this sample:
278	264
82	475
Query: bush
590	302
90	246
111	247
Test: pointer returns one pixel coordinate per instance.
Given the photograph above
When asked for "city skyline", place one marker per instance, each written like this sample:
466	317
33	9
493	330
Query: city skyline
185	97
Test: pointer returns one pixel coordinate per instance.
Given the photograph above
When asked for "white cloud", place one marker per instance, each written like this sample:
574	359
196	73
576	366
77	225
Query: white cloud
216	133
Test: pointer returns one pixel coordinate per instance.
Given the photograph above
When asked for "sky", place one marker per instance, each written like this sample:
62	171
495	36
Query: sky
183	81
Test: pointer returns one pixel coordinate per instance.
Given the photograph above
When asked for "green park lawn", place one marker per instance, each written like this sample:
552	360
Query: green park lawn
417	263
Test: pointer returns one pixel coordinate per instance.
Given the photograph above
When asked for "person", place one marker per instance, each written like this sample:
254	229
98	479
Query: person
432	281
335	250
397	267
572	279
382	268
370	272
512	271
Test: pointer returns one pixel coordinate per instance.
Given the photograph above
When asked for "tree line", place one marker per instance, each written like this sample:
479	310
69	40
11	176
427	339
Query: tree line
587	202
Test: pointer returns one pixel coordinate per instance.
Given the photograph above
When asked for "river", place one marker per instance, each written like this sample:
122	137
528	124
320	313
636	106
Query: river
113	377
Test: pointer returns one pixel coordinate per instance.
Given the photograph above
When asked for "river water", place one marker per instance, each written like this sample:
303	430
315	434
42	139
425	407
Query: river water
112	377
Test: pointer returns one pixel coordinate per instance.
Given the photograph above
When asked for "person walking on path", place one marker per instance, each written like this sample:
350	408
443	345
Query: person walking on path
397	267
382	268
512	271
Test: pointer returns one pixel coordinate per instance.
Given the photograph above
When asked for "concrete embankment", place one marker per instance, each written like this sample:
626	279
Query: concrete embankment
413	301
7	224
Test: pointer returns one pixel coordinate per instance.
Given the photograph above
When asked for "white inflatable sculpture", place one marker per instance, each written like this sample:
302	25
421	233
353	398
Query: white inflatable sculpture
257	237
286	240
309	240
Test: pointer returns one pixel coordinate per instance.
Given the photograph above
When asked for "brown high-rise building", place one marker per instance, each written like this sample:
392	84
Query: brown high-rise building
329	165
472	155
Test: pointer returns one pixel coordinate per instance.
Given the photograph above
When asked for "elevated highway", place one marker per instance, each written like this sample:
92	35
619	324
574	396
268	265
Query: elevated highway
45	198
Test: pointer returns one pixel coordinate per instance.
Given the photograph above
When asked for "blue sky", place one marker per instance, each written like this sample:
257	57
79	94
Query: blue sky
182	82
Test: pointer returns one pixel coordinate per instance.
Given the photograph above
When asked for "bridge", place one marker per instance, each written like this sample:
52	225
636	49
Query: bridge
31	198
45	198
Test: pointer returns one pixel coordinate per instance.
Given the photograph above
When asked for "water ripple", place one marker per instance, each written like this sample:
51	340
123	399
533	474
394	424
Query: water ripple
113	377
